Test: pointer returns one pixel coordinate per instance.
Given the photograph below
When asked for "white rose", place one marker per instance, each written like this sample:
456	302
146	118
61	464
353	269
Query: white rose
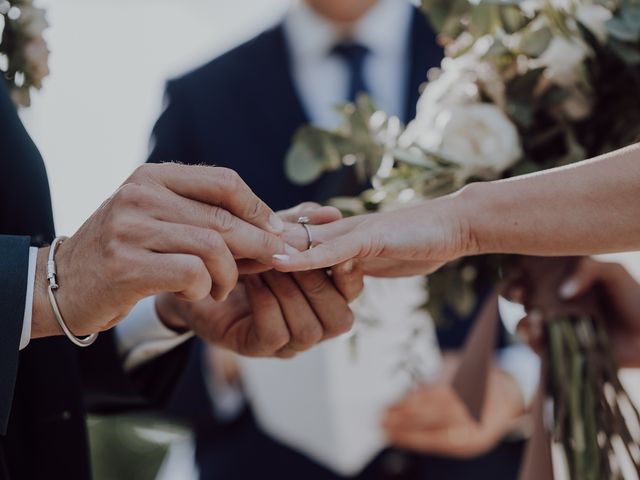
563	60
479	137
595	18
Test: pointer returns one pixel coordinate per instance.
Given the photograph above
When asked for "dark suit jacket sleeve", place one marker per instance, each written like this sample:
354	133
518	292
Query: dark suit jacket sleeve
170	133
14	266
109	389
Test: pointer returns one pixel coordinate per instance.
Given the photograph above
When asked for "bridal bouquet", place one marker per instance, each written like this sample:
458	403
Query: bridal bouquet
526	85
24	55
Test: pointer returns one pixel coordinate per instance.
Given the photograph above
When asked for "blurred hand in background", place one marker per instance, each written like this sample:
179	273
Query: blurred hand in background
433	420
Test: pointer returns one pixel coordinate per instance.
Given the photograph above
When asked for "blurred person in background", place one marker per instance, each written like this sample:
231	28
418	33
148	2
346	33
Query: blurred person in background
244	108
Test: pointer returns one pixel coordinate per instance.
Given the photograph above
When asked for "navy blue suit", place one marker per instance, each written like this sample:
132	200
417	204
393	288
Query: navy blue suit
46	389
241	111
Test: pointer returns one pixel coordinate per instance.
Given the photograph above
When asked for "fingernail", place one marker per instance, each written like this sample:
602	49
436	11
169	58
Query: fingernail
289	250
347	267
276	224
281	258
569	289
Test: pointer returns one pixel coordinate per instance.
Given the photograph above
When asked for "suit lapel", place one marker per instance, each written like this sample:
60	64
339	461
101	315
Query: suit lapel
424	54
276	99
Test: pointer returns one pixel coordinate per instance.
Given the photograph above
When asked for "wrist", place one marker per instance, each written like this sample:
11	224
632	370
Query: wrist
469	205
169	312
43	322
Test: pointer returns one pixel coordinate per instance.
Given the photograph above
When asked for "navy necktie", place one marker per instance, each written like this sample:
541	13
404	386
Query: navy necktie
354	56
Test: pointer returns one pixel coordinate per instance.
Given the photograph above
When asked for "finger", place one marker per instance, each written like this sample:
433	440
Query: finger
585	276
348	279
323	256
455	443
326	301
206	244
185	275
304	326
268	333
243	239
251	267
215	186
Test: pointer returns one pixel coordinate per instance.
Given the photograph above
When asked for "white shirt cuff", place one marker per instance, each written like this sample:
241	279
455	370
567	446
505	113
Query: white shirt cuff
25	337
142	336
523	364
227	399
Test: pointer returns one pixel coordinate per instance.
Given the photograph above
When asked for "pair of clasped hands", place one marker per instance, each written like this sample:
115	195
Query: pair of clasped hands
202	242
214	255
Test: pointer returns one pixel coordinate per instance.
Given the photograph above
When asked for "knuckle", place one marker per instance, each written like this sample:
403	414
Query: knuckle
316	285
130	195
228	178
190	271
142	172
341	325
254	211
222	220
270	243
276	338
212	242
307	336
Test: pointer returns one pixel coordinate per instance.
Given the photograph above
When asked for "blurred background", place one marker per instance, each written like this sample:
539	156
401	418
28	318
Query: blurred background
109	63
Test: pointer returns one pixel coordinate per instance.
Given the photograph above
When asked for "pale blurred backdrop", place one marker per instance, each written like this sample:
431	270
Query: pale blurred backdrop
109	62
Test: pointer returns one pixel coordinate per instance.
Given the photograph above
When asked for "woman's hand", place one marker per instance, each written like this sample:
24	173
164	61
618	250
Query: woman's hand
412	241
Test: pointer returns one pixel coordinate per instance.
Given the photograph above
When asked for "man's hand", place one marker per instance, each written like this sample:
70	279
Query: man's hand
272	314
433	420
169	228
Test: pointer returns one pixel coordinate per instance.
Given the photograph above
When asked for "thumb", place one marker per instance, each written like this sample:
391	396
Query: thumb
580	282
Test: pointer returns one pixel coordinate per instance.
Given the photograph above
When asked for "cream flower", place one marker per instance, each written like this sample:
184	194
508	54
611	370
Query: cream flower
563	60
479	137
595	18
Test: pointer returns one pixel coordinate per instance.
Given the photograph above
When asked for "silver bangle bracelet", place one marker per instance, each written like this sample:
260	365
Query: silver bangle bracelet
53	285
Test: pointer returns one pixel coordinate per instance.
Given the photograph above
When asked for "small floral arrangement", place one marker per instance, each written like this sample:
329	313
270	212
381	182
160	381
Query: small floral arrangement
526	85
24	55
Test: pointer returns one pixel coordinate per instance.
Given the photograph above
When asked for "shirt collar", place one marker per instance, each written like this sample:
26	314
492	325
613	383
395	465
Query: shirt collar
311	36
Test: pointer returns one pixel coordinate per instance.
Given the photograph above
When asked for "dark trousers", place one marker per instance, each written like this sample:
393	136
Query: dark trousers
242	452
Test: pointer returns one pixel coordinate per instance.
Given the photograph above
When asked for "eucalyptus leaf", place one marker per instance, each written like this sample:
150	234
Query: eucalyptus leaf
627	53
623	31
512	17
534	42
303	165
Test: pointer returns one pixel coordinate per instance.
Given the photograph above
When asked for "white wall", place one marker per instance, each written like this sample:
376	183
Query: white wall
109	62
